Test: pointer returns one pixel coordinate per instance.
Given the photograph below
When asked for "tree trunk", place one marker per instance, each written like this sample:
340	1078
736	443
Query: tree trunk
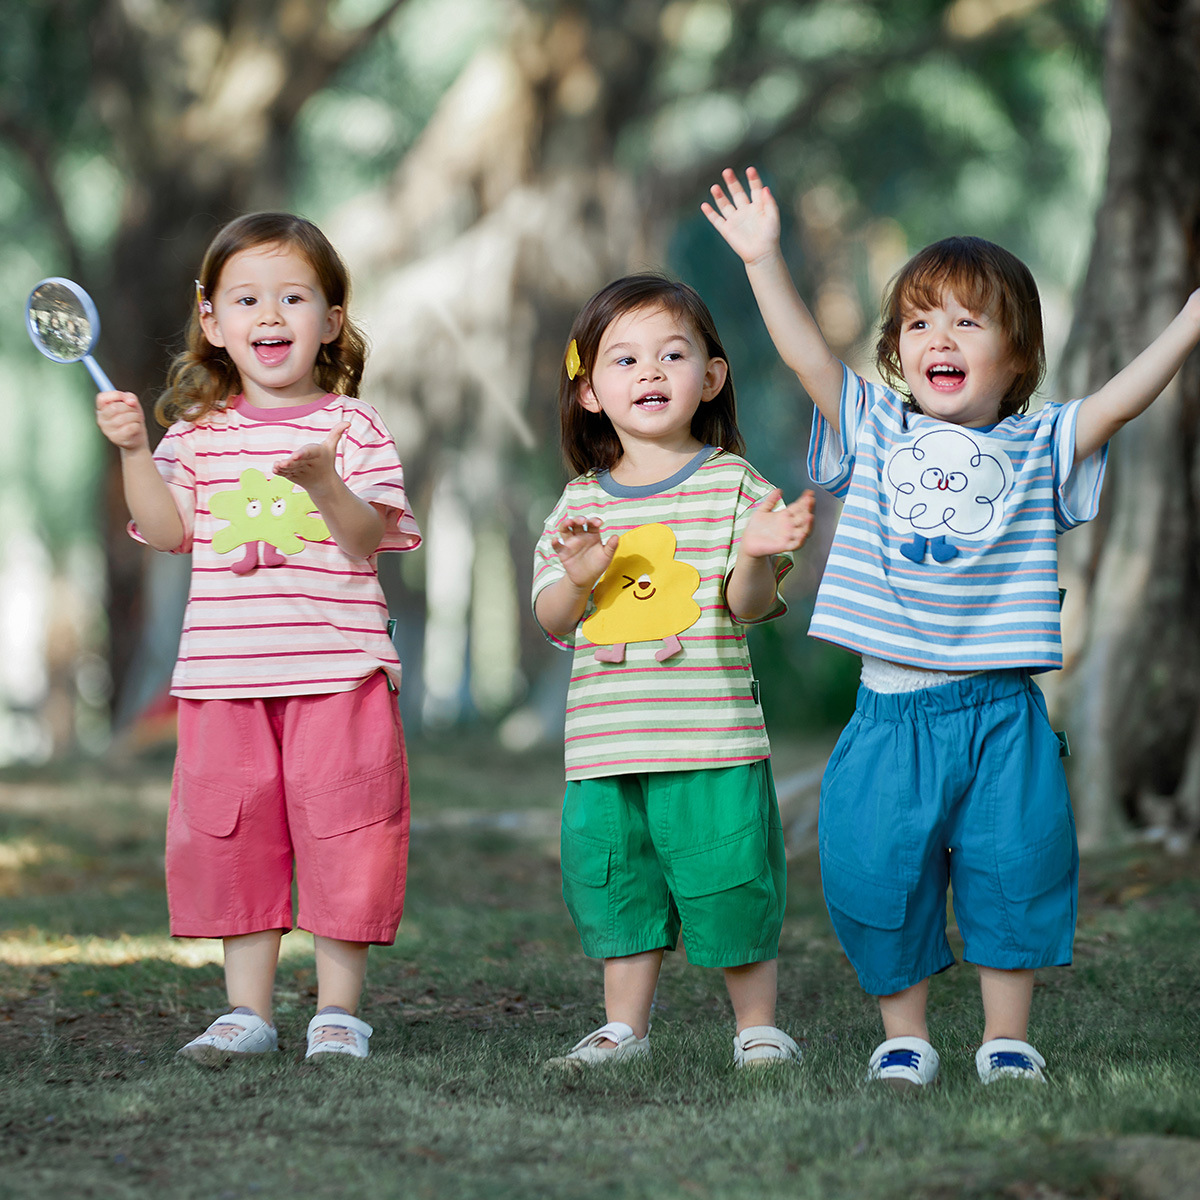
1133	687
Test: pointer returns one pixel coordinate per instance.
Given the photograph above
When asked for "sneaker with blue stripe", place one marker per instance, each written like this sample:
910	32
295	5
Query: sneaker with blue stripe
1009	1058
904	1063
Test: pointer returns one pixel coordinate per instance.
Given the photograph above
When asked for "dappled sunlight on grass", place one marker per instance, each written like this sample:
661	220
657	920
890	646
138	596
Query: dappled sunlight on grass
36	948
17	854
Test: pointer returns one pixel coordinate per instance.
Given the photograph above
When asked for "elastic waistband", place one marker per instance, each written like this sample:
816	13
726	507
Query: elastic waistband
971	692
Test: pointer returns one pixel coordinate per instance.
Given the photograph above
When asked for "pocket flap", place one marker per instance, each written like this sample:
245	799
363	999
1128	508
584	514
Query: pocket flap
722	865
358	804
206	808
1037	870
584	859
867	901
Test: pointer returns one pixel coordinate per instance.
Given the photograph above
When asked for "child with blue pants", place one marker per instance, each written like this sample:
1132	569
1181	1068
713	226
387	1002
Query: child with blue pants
943	576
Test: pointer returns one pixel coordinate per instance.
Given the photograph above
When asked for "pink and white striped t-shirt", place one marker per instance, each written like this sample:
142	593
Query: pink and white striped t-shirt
300	616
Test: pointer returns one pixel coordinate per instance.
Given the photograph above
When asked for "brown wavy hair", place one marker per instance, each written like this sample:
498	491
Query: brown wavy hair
589	441
983	277
202	377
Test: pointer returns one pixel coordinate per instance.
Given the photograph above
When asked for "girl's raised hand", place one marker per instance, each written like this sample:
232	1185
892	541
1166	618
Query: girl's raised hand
584	554
772	530
314	464
121	420
749	223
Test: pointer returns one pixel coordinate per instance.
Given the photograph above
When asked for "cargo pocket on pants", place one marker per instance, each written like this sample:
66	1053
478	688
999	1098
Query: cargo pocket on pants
1025	876
1040	899
585	870
722	865
206	808
585	860
355	805
865	901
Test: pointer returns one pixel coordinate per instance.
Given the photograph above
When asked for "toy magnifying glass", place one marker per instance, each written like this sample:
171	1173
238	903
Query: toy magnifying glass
64	325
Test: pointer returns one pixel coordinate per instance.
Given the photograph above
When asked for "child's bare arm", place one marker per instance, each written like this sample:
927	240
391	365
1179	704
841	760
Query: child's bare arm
585	557
121	420
1133	389
750	592
750	224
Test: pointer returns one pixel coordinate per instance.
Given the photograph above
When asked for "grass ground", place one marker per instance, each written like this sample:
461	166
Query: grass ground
486	981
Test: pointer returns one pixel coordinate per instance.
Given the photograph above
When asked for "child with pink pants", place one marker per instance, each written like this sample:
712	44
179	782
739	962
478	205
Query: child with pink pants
284	487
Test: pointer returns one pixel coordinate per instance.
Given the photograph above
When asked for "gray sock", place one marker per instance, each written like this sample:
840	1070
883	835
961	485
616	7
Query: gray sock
243	1011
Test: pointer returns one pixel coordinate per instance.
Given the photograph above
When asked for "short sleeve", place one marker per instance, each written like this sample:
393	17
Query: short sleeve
832	453
754	489
1076	485
548	569
174	458
372	471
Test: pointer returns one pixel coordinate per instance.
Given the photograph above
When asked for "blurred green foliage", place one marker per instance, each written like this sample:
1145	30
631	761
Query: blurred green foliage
880	124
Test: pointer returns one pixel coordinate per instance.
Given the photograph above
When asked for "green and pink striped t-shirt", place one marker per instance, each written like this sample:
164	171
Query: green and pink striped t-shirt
697	708
301	617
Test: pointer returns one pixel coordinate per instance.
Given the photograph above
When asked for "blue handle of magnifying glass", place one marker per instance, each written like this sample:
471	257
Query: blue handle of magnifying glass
102	381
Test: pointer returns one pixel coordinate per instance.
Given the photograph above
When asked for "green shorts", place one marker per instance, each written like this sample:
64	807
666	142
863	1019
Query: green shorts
646	854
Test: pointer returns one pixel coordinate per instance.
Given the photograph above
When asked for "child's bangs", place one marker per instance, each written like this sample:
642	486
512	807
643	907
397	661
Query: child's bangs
676	305
928	286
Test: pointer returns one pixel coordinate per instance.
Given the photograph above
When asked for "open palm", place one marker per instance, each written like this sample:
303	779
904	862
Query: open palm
748	222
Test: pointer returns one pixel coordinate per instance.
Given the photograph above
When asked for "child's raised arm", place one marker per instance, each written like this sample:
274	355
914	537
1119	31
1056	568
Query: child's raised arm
1133	389
121	420
750	224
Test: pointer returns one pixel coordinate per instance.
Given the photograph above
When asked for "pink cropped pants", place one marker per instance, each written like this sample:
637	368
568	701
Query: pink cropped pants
320	782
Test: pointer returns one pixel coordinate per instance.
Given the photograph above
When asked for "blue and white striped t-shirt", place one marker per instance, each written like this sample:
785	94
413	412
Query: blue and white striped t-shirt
945	554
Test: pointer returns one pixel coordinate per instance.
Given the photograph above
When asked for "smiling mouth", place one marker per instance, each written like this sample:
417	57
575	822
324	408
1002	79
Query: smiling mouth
654	400
945	377
272	351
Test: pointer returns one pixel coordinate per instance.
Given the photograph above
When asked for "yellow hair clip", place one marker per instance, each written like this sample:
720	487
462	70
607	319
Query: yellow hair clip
202	303
574	366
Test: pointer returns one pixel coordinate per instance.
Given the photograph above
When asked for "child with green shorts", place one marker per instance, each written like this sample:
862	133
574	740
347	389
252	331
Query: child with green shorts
659	554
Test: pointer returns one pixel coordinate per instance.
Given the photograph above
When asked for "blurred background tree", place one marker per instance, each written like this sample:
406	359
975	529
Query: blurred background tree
131	130
484	165
1133	697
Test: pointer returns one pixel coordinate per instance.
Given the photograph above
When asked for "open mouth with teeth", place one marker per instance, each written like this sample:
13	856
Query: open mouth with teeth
945	377
272	351
655	400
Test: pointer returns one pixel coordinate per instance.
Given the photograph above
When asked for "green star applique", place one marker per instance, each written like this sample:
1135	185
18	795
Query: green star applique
271	510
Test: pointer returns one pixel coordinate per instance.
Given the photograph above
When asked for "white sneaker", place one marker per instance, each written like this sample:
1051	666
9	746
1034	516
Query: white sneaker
763	1046
337	1033
1009	1058
904	1063
589	1053
229	1037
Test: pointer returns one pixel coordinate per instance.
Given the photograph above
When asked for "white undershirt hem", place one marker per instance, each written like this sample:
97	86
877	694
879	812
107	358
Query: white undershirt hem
888	678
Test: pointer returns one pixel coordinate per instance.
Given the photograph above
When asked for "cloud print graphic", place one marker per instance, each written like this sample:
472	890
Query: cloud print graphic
946	484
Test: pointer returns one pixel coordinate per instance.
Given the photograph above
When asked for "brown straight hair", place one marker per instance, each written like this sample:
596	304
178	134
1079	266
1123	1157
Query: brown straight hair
985	278
589	442
202	377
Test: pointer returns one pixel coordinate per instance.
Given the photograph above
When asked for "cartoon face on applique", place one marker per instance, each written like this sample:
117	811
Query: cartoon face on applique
946	484
646	593
271	510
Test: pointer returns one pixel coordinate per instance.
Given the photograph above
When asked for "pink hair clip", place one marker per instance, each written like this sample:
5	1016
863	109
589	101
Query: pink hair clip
202	303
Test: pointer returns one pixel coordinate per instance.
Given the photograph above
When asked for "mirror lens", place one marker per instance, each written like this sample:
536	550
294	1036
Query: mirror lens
58	321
